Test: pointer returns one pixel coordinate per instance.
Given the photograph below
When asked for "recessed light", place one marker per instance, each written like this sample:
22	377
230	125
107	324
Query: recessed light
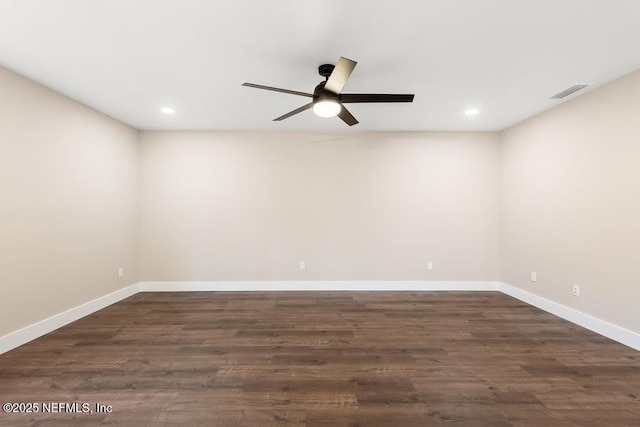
168	110
472	112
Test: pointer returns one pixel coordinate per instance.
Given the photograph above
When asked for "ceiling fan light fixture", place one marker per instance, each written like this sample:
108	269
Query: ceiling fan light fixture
326	108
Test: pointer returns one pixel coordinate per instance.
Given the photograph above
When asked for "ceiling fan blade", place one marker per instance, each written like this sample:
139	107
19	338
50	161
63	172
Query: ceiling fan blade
340	75
376	97
347	117
294	112
277	89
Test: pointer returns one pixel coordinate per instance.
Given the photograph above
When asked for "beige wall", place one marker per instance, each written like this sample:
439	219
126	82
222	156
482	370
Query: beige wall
353	206
570	210
68	203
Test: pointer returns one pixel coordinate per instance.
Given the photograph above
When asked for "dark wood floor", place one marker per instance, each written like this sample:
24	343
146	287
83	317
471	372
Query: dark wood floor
325	359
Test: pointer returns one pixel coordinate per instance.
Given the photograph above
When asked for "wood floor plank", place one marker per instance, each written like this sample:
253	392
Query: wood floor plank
324	359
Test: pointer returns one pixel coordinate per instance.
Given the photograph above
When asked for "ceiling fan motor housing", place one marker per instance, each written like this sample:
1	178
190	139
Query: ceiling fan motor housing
320	94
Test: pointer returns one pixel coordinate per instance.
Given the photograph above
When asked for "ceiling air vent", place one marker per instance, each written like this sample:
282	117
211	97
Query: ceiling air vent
569	91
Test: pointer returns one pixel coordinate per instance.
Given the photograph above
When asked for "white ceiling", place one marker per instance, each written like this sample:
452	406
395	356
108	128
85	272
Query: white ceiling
129	58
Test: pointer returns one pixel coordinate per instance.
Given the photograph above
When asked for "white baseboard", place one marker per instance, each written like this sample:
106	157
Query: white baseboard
43	327
245	286
609	330
31	332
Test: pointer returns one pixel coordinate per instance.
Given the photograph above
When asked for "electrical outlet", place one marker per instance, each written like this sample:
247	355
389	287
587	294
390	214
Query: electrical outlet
576	290
534	276
121	272
303	265
429	265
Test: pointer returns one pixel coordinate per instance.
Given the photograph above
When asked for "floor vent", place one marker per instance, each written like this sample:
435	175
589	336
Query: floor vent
569	91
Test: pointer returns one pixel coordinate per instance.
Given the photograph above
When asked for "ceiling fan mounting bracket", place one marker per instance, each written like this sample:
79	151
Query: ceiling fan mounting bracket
325	70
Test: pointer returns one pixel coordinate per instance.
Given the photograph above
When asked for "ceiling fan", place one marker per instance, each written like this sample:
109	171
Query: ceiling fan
328	99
